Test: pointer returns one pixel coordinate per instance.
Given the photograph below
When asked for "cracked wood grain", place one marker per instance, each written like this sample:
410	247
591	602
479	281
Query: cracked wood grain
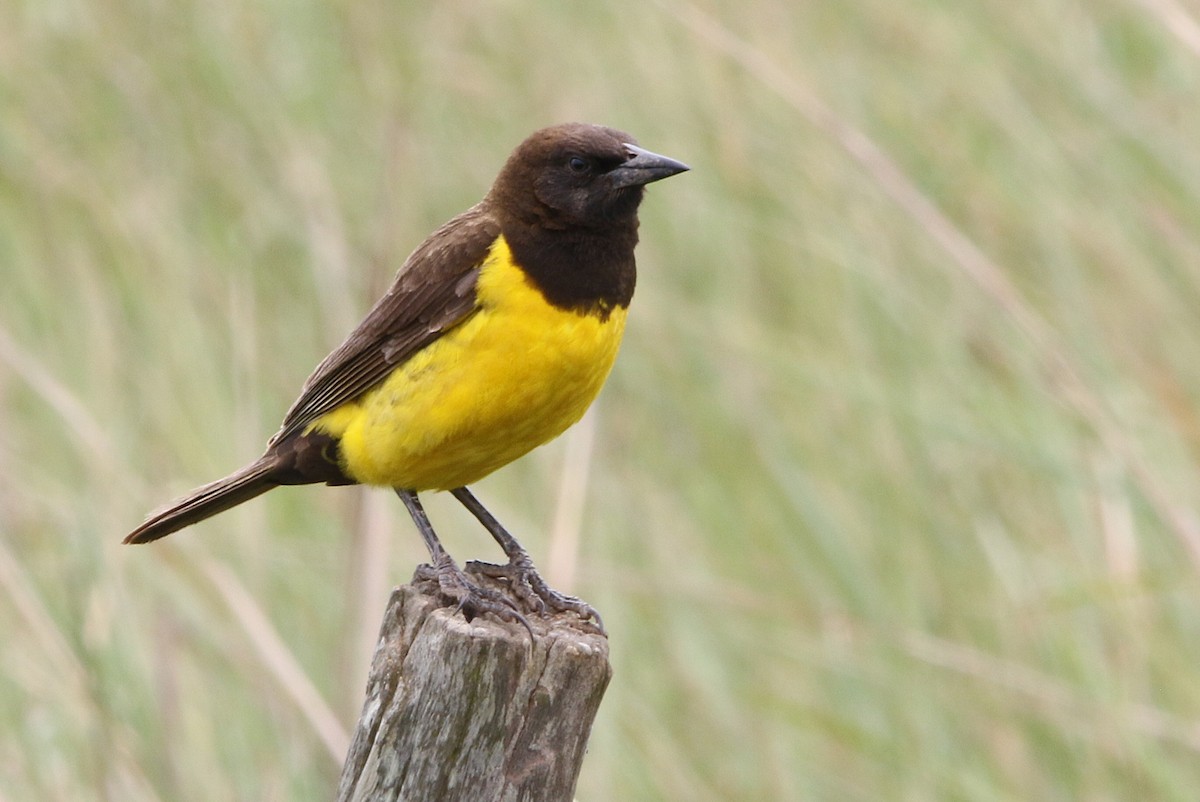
474	711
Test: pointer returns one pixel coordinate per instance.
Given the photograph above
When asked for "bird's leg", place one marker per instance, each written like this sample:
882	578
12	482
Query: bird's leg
526	582
453	583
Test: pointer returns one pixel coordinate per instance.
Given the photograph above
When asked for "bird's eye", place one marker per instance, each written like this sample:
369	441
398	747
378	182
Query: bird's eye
578	164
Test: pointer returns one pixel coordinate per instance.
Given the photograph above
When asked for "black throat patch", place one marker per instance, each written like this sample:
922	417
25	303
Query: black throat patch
589	272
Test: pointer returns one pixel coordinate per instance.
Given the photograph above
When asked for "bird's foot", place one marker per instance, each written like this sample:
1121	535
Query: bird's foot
533	591
468	597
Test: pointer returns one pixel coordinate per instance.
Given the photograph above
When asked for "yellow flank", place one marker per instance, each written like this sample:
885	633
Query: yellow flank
513	376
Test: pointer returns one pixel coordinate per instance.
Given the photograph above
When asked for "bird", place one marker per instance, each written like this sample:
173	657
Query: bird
496	335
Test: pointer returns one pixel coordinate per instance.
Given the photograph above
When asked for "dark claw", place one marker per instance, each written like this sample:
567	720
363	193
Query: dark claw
469	598
527	584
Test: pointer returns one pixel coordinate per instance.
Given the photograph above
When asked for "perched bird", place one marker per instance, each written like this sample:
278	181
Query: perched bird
495	336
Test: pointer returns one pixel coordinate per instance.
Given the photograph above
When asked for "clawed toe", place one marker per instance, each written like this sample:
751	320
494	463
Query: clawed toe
533	591
468	597
520	580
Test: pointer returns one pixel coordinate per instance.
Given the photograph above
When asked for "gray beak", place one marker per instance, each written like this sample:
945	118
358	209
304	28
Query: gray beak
644	167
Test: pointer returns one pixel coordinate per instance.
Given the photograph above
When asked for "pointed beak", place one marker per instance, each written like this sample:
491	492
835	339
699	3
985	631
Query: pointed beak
643	168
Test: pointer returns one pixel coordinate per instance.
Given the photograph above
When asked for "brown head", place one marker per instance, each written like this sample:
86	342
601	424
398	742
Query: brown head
567	201
578	175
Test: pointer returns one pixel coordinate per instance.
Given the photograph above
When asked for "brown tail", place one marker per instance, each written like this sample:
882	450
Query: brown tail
203	502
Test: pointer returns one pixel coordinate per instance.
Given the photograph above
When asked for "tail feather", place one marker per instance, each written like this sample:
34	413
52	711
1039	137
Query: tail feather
203	502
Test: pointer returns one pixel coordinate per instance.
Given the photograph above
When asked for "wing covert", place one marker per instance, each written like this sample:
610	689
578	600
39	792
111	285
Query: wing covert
434	291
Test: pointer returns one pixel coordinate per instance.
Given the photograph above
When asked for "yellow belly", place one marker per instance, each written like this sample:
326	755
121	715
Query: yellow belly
513	376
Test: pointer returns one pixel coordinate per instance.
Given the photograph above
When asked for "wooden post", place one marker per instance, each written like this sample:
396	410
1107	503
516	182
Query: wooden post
474	711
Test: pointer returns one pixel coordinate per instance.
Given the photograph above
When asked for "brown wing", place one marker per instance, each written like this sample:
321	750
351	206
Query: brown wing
433	292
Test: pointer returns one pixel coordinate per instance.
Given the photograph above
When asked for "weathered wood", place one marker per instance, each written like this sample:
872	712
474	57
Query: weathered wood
474	711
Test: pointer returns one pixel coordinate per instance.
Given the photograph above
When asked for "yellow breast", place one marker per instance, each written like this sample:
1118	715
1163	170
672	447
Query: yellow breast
513	376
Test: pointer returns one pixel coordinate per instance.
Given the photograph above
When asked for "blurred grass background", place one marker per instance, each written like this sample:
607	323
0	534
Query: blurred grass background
893	493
